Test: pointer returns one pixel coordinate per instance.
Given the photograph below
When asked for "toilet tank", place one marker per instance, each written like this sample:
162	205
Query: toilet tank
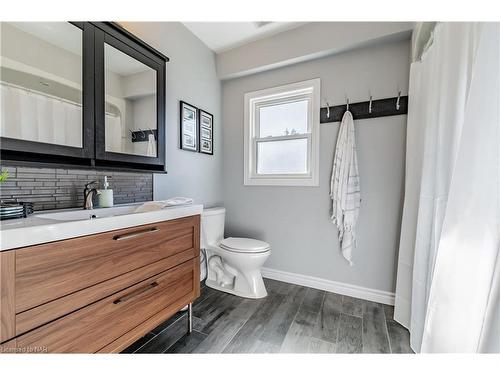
212	226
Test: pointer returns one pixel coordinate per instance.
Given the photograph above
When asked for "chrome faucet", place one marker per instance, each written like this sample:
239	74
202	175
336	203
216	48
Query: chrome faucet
88	195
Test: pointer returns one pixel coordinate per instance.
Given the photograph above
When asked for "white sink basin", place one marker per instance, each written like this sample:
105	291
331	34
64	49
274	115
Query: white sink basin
81	214
50	226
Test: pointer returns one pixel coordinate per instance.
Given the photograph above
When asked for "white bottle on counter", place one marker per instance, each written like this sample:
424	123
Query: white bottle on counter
106	196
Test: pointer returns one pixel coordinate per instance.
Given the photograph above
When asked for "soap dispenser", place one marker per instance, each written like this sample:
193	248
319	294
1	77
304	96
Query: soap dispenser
106	196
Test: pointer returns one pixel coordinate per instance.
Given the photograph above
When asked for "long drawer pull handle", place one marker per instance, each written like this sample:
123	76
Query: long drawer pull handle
135	293
134	234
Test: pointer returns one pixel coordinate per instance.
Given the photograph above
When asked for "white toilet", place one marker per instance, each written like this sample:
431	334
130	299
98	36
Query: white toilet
233	263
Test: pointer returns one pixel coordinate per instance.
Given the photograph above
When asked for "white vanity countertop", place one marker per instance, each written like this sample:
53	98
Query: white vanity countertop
36	230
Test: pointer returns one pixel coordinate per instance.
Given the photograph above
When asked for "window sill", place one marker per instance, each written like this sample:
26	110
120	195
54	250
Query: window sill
260	181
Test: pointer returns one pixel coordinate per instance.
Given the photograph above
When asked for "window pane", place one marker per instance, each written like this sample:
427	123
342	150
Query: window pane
283	119
282	157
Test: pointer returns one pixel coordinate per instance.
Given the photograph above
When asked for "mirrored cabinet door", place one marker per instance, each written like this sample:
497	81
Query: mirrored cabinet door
128	103
41	81
81	93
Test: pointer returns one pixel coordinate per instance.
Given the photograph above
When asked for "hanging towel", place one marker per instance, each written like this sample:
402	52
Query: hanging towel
344	186
151	151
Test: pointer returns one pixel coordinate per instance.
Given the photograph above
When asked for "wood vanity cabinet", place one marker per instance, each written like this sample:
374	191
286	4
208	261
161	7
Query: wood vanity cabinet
98	293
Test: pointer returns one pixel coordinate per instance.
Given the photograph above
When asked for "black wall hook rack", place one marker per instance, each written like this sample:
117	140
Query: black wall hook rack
143	135
360	110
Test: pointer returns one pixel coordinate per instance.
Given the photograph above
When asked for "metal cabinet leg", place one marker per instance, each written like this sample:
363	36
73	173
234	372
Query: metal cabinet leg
190	318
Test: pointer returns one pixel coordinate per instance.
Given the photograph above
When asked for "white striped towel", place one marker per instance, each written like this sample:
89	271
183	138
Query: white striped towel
344	187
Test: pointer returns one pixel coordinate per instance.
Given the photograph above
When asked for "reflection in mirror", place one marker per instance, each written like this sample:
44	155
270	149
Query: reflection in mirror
130	120
41	82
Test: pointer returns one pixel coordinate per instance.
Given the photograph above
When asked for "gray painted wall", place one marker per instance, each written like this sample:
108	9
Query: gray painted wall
295	220
191	76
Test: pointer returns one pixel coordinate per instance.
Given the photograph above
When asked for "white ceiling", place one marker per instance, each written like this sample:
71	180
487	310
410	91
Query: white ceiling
221	36
121	63
69	38
60	34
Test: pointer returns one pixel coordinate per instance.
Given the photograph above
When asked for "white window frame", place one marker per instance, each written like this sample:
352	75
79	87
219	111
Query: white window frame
309	90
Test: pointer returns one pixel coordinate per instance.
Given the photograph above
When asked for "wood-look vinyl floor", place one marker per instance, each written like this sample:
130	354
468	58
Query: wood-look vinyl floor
292	319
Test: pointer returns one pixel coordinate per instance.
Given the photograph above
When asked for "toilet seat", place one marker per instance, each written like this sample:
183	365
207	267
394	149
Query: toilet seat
244	245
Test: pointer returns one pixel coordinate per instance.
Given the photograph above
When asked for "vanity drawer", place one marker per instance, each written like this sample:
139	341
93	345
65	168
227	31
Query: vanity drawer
37	316
44	273
92	328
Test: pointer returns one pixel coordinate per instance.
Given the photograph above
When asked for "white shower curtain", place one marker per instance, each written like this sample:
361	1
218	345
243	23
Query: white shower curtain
113	133
36	117
447	283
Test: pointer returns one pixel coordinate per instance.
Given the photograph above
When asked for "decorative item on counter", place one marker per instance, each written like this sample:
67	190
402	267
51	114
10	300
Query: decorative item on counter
28	208
189	127
15	210
106	196
206	132
4	176
159	205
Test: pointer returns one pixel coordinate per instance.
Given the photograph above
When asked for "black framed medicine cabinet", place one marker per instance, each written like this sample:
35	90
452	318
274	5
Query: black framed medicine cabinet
78	93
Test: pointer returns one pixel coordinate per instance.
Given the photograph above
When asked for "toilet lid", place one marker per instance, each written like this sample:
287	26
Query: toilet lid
244	245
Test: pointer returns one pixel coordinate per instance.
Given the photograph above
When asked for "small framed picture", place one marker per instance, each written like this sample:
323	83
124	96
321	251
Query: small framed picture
188	127
206	132
206	146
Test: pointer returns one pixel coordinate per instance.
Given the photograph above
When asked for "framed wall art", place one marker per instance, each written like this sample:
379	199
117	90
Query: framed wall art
206	132
188	127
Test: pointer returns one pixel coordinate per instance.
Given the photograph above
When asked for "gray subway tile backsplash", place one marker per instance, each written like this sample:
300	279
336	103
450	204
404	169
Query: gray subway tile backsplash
54	188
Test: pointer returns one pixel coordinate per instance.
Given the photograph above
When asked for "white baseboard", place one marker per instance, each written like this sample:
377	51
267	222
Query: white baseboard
330	286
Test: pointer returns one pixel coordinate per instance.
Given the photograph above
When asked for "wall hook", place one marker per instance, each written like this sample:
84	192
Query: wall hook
397	101
370	105
327	110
